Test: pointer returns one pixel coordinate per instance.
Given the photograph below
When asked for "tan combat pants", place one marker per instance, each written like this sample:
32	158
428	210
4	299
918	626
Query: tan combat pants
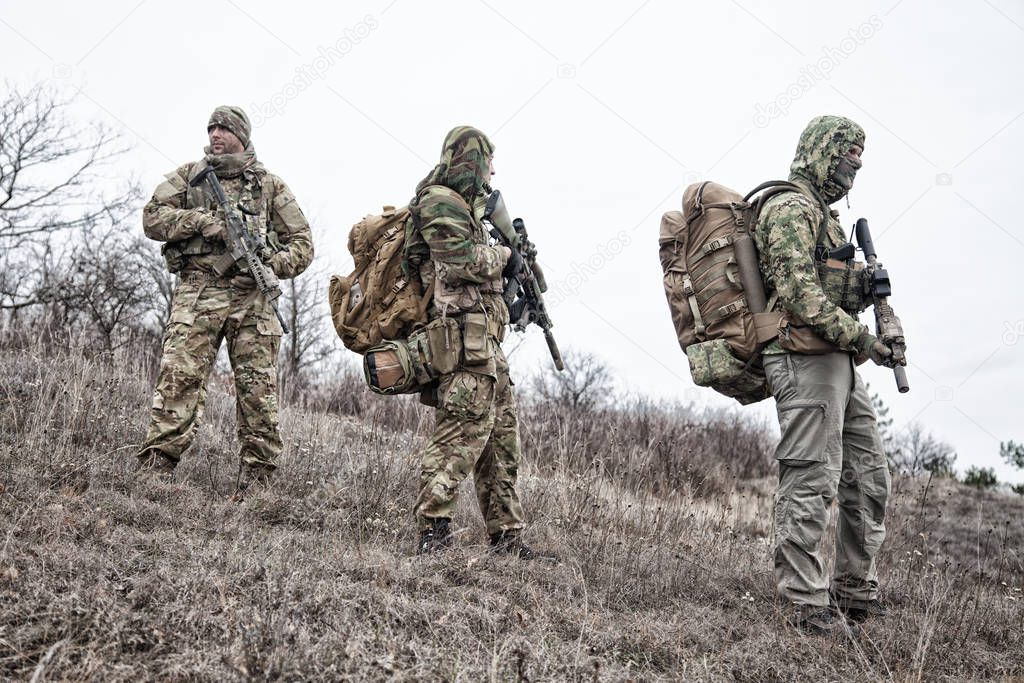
477	429
203	314
830	449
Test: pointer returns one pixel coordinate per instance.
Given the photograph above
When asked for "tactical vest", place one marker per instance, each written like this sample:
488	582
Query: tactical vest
254	202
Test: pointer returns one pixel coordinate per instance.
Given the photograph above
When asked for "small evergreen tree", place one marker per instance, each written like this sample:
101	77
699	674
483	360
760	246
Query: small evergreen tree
1013	454
981	477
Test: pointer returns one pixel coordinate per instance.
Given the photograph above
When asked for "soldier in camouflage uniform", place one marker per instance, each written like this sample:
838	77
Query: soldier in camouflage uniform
830	445
208	308
477	426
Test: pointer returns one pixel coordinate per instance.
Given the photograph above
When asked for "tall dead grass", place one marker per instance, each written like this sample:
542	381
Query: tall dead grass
660	518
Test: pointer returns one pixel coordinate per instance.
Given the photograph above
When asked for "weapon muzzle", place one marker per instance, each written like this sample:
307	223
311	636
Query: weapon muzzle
864	239
901	379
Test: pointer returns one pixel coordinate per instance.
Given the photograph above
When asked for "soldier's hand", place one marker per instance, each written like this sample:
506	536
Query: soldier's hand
212	228
870	346
514	263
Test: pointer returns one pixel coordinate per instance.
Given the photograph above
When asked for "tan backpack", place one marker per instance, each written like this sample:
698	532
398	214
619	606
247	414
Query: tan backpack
714	287
377	301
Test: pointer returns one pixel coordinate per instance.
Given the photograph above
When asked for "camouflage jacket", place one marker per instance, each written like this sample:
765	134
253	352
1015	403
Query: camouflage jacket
464	269
787	235
445	238
177	212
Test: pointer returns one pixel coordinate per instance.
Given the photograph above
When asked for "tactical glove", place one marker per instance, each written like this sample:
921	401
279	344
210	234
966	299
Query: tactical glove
513	265
870	346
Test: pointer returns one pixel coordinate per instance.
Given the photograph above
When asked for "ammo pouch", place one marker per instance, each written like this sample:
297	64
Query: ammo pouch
475	346
713	364
176	253
843	284
440	345
173	258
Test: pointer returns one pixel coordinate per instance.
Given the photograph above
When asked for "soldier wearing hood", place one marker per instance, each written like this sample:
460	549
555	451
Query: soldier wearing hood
208	308
830	446
477	427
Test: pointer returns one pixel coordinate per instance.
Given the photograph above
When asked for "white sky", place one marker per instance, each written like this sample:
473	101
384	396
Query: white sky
602	114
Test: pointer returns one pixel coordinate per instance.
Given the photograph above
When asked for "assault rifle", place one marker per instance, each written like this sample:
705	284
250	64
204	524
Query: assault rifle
878	287
243	246
525	289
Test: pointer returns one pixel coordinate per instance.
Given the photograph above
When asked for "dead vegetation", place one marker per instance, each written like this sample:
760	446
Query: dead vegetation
660	518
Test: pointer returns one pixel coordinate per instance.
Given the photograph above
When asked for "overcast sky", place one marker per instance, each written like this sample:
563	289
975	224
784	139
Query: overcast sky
602	114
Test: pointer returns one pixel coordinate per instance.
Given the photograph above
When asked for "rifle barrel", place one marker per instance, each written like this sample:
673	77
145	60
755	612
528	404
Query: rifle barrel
901	379
864	239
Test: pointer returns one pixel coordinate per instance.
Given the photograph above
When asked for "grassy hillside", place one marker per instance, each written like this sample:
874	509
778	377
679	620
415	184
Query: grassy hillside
661	531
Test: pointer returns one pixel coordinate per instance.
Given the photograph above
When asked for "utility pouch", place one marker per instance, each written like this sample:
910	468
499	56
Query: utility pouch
713	364
803	339
474	339
389	369
174	259
443	344
766	326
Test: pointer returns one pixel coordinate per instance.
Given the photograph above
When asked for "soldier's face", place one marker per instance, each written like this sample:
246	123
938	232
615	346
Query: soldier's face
490	170
223	141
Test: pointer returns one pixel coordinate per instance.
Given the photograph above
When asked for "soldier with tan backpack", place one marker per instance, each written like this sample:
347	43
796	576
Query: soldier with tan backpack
765	293
427	306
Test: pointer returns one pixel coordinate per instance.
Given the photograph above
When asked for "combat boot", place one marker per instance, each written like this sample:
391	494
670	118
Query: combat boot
251	479
822	621
155	466
510	542
859	611
435	538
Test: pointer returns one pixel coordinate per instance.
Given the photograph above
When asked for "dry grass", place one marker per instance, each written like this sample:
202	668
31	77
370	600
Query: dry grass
664	570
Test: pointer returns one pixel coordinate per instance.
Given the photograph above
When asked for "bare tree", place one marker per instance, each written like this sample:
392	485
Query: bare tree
585	384
51	181
310	341
108	287
917	452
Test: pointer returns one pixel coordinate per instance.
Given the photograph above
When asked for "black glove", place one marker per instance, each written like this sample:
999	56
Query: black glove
513	265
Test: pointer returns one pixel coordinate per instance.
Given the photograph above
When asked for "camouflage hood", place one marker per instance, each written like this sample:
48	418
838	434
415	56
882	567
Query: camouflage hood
823	144
463	165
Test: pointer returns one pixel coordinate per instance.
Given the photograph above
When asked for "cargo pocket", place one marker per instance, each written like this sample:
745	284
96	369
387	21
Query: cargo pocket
804	430
467	395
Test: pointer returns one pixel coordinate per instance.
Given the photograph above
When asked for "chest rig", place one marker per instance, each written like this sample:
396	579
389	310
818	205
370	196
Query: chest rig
840	276
251	195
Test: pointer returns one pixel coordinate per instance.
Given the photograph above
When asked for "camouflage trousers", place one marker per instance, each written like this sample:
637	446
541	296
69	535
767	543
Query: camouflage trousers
203	314
830	449
477	428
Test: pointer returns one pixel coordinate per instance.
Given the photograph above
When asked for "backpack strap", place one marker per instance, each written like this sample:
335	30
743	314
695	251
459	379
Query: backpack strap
771	188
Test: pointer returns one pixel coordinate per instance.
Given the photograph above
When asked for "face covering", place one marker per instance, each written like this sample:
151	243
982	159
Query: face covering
841	180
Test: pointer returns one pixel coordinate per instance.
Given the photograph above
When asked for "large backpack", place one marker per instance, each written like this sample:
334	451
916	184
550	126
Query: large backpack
714	288
377	301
